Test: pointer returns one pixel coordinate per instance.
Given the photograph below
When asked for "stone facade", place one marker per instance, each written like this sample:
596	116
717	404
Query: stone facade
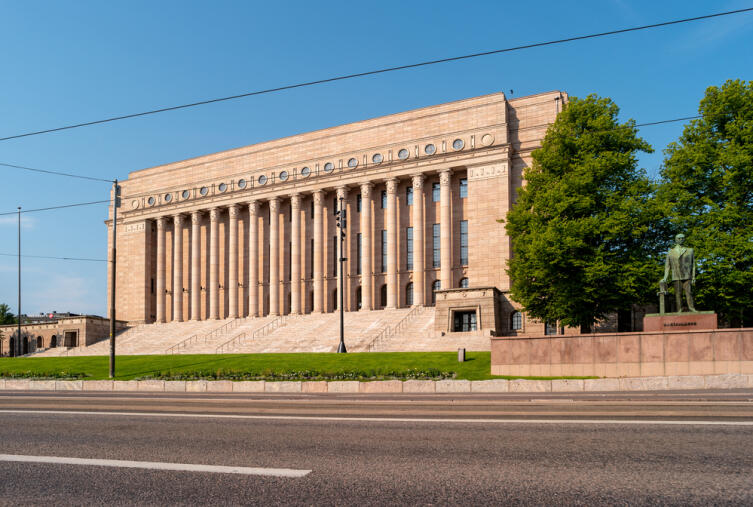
251	231
78	331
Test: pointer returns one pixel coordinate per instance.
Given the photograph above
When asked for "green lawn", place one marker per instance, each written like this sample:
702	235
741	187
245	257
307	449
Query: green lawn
476	367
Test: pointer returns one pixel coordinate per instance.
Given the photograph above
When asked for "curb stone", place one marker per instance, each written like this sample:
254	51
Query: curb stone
530	386
98	385
314	386
568	385
601	384
490	386
381	386
343	386
69	385
453	386
175	386
419	386
285	386
248	386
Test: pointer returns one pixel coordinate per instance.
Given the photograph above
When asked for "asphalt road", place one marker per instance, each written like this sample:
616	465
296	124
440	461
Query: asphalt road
640	448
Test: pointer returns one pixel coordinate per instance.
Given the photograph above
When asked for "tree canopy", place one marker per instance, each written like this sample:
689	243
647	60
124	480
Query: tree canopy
584	228
6	317
708	192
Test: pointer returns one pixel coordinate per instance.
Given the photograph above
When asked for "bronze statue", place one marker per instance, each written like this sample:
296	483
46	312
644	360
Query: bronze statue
681	263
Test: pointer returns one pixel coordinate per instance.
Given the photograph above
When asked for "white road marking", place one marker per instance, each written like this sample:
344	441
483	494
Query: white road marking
387	419
154	465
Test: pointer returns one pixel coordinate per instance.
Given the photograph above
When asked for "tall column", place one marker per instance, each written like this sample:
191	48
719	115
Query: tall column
419	255
214	263
274	256
445	229
196	265
366	271
342	284
253	260
232	281
391	226
318	246
295	255
161	269
178	268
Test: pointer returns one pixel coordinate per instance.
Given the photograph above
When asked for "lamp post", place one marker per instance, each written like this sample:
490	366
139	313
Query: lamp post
18	336
341	224
115	205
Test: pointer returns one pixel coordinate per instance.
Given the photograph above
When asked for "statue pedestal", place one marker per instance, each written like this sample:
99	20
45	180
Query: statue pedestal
683	321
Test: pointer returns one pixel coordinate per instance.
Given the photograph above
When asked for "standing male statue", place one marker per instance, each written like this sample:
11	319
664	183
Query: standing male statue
681	262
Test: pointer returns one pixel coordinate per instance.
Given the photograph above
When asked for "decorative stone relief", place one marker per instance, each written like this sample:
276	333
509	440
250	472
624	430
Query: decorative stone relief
486	172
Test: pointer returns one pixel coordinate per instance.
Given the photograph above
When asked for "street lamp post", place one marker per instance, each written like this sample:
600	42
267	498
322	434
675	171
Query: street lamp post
341	224
18	336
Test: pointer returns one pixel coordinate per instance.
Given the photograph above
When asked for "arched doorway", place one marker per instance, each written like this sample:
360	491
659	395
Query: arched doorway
12	349
40	343
409	294
53	341
25	346
358	297
383	296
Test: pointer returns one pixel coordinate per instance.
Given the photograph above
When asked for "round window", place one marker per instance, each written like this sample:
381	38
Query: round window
352	162
402	154
168	197
134	204
328	167
458	144
204	191
223	187
185	194
241	183
150	201
262	179
284	176
430	149
377	158
305	171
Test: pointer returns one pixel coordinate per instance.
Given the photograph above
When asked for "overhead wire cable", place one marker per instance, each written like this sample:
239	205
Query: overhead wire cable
57	173
380	71
55	207
57	258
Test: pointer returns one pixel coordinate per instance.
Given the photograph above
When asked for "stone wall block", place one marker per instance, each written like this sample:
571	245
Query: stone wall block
42	385
453	386
420	386
98	385
125	385
314	386
196	386
730	381
249	386
69	385
220	386
381	386
685	382
151	385
343	386
17	383
643	384
2	383
530	386
490	386
601	384
568	385
282	387
175	386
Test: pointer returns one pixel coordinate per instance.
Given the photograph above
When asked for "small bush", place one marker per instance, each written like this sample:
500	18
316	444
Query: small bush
43	375
278	375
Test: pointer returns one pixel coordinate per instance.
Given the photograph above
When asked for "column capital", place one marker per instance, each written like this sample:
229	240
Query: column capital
161	221
214	214
295	201
342	192
444	176
391	185
178	218
196	217
418	181
233	210
274	203
253	207
318	197
366	188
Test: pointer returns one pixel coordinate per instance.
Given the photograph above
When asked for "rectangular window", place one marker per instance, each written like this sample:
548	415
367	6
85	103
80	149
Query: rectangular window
409	196
359	249
290	216
384	251
464	242
334	206
436	245
312	208
550	328
435	192
358	203
409	248
384	199
463	188
311	258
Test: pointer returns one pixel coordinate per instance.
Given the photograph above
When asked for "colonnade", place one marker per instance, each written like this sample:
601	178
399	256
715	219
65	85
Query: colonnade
297	269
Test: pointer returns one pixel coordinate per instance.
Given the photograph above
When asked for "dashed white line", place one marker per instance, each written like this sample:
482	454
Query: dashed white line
155	465
389	419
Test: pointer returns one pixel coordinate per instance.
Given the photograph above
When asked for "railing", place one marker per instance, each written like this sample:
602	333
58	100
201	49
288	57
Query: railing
269	327
390	331
233	342
197	338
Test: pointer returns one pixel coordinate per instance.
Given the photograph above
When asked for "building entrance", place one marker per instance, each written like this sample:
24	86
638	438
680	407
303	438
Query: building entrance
464	321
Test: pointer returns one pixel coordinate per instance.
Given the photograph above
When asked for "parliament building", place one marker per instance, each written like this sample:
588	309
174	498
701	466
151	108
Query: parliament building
251	232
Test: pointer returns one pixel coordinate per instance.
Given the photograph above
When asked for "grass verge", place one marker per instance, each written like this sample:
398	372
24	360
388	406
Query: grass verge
298	366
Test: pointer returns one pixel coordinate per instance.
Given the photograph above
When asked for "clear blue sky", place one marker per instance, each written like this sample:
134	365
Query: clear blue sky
69	62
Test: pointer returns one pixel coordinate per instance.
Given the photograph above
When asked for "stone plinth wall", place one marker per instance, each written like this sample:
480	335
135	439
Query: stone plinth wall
626	354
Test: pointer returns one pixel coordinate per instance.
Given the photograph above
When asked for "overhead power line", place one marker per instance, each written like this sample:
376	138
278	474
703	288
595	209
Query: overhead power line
380	71
55	207
57	173
56	258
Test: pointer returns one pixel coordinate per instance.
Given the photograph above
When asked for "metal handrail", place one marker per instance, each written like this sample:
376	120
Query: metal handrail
234	340
195	338
389	331
269	327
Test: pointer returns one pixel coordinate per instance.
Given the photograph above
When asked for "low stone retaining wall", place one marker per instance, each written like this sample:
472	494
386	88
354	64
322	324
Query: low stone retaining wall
390	386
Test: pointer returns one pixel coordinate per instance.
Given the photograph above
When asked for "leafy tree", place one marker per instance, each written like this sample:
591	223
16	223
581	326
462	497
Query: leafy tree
708	188
6	317
584	229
